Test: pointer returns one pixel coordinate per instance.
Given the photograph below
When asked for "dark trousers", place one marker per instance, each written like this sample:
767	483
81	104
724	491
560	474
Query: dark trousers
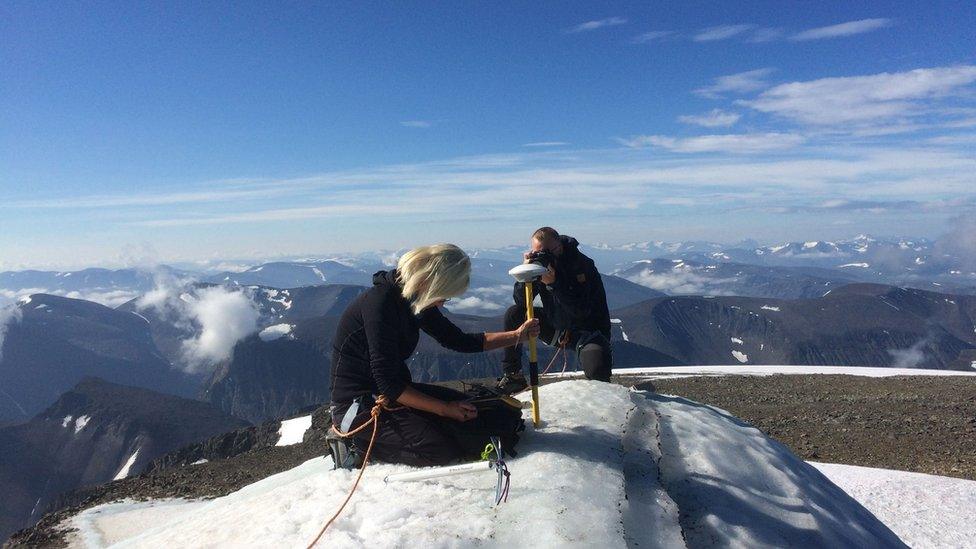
593	352
422	439
410	436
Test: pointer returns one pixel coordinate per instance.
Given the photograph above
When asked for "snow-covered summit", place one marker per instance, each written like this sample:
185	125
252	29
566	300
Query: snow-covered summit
609	467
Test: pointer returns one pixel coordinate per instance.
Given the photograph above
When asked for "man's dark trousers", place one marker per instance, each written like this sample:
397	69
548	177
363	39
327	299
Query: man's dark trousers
594	355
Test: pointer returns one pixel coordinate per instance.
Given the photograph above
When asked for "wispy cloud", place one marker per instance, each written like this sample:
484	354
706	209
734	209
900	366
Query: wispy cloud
650	36
416	123
729	143
860	99
597	24
546	144
765	34
9	314
721	32
598	181
154	199
741	82
842	29
715	118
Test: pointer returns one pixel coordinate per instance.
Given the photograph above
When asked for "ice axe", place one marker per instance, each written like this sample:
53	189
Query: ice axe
527	273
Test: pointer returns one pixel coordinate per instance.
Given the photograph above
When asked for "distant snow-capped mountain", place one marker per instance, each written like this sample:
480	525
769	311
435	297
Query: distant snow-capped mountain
57	341
94	433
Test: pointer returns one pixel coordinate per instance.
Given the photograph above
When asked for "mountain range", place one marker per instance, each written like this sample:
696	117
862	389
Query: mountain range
94	433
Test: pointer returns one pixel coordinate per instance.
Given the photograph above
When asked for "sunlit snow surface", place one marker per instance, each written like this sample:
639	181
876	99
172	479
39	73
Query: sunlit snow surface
925	510
609	467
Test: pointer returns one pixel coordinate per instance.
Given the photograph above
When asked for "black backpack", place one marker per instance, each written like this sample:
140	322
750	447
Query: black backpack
498	416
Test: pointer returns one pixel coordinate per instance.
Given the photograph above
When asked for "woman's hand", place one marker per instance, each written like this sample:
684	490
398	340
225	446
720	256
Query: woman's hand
529	328
459	410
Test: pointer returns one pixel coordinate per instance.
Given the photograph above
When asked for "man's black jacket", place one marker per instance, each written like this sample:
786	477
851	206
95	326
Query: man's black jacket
576	300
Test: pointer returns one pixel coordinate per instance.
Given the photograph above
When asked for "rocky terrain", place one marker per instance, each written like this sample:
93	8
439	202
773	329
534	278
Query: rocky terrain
922	424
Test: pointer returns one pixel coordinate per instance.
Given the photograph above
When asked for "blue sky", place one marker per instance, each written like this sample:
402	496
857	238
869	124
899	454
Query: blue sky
196	131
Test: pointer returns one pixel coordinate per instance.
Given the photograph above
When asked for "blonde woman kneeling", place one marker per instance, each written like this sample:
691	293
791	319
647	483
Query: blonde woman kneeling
376	335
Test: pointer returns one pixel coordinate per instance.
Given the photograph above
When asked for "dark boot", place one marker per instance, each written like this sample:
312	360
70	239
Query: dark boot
345	454
511	383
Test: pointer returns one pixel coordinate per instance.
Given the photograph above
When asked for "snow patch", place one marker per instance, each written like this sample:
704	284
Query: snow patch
67	421
81	422
277	331
736	340
924	510
740	356
124	471
770	308
860	265
292	431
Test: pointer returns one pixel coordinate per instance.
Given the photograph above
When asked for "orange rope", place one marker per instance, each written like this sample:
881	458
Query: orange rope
374	420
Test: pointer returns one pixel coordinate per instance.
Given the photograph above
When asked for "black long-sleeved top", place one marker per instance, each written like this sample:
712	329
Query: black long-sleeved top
577	299
376	335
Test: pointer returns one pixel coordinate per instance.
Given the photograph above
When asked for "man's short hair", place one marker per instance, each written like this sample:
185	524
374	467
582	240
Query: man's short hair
545	234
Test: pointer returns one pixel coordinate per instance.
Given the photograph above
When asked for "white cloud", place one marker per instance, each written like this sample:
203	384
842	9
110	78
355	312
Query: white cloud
216	316
730	143
598	24
912	357
678	201
104	296
225	317
721	32
650	36
9	314
474	304
107	297
715	118
859	99
416	123
765	35
680	281
606	180
742	82
960	240
843	29
164	297
132	200
546	144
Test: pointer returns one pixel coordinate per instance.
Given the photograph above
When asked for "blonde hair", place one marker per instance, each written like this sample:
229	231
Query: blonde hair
431	273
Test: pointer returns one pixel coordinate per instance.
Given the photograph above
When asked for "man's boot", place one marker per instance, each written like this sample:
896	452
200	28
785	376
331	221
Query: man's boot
511	383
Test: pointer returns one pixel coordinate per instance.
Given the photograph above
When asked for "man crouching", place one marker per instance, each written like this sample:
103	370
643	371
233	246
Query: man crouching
574	309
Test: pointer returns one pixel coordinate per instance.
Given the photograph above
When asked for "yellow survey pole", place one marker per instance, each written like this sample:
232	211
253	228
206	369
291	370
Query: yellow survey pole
533	358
